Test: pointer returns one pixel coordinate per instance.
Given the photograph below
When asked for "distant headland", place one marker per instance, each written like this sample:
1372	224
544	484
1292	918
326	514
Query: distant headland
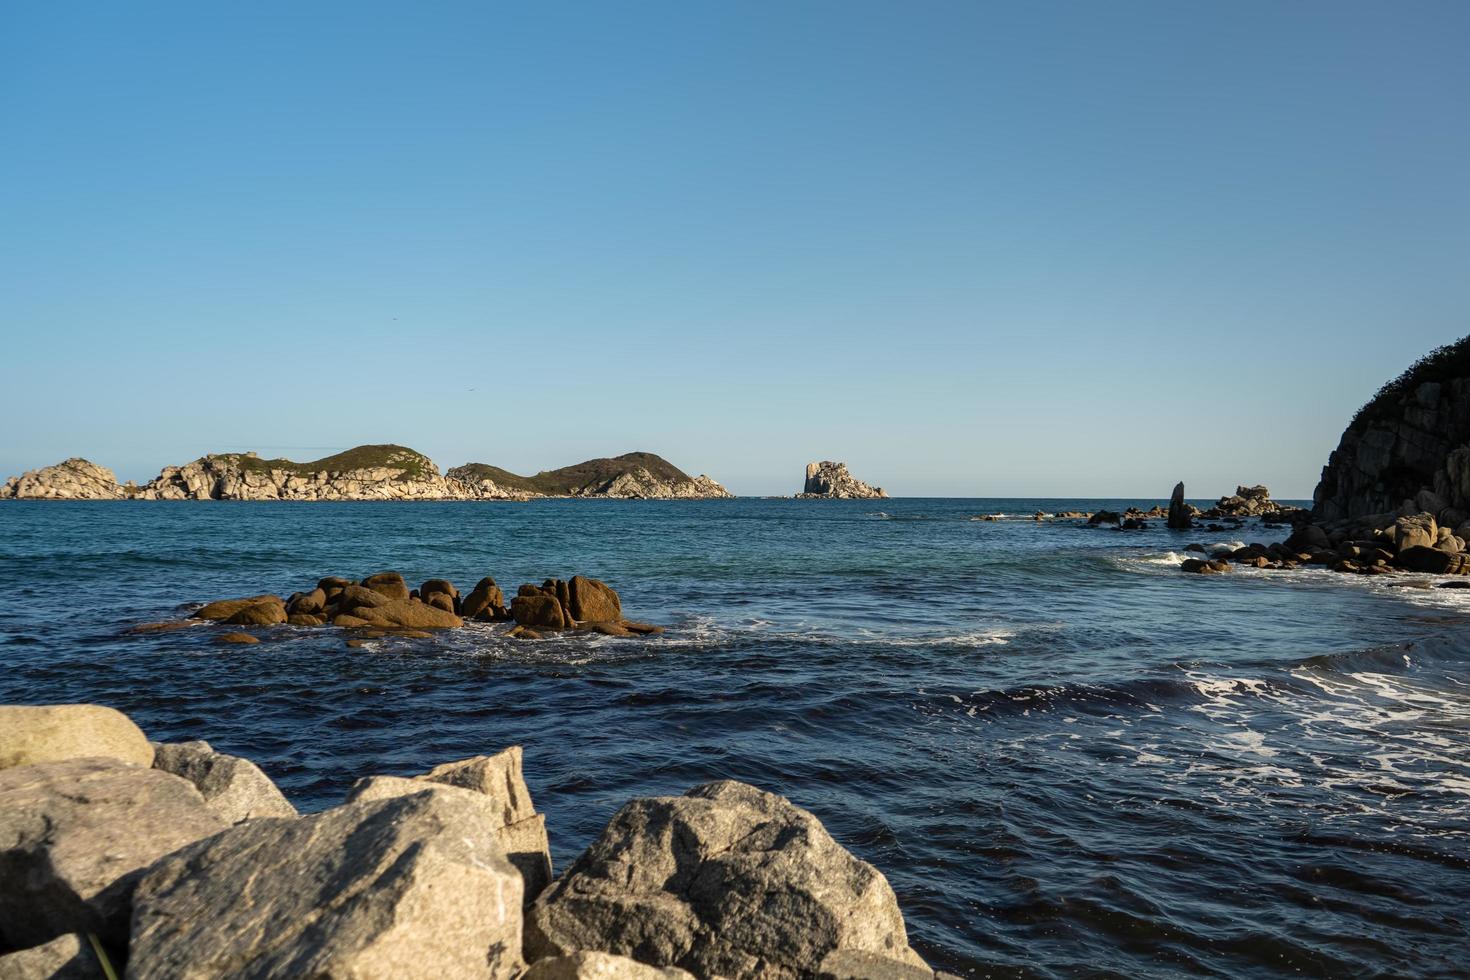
372	472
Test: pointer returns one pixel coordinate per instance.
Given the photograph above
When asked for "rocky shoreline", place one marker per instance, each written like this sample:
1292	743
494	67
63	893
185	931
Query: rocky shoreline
382	604
174	861
375	472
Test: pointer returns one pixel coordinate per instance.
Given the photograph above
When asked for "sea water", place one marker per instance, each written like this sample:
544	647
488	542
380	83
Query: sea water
1068	757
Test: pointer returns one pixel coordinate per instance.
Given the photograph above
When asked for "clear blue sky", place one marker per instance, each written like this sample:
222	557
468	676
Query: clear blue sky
969	248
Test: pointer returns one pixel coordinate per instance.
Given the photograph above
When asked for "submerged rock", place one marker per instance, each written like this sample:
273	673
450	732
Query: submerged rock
234	788
75	836
726	880
55	732
415	886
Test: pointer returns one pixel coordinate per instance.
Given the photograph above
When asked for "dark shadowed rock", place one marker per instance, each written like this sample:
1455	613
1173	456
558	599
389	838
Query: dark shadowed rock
54	732
234	788
414	886
76	835
1179	516
726	880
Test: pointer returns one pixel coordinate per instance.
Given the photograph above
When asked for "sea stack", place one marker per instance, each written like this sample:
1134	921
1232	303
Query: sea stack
828	480
1179	516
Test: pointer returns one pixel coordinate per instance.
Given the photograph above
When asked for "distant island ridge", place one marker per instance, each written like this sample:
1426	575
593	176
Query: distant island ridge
392	472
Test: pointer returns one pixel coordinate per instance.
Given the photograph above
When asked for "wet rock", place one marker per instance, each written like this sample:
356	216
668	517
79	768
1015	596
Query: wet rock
1433	561
1195	565
260	614
1105	517
31	734
389	584
600	966
226	608
68	957
593	601
726	880
233	787
1179	516
302	619
76	835
240	639
485	602
540	611
414	886
408	613
308	603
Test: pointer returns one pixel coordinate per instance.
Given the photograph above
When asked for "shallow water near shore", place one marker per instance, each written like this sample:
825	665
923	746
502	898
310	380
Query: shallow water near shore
1067	757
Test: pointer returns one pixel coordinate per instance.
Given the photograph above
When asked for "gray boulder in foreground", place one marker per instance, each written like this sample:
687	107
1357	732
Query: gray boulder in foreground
74	838
414	886
495	781
54	732
600	966
726	880
68	957
234	788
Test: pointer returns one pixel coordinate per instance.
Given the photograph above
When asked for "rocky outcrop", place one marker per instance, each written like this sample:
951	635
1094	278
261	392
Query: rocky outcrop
828	480
234	788
107	862
55	732
74	838
414	885
72	479
726	880
1248	502
1408	448
1179	516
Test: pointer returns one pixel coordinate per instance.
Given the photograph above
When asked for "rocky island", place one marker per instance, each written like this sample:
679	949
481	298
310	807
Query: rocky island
831	481
372	472
117	852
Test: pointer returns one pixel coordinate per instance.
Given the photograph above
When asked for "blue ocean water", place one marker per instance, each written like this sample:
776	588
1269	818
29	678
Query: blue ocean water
1068	758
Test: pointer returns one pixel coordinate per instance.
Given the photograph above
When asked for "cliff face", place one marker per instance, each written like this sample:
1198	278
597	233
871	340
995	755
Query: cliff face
73	479
1408	449
832	480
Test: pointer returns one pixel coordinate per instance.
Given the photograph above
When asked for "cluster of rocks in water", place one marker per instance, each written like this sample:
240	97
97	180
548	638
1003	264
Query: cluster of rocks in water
175	861
377	472
1246	502
383	604
827	480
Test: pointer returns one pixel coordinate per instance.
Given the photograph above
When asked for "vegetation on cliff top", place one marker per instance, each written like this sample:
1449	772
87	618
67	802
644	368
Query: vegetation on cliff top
563	481
388	456
1438	366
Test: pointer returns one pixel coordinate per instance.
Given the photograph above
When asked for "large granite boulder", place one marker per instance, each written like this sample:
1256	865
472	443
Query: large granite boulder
72	479
592	601
828	479
485	602
390	584
234	788
75	836
413	886
498	782
1415	531
53	732
600	966
726	880
68	957
539	611
408	614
